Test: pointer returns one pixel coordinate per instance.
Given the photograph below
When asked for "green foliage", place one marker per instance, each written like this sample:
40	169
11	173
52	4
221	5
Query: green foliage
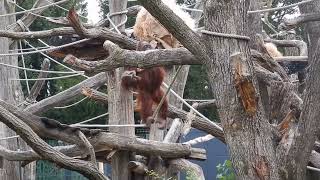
82	111
191	175
155	175
198	87
225	171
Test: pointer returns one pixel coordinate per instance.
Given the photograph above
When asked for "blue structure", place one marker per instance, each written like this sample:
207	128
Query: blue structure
217	153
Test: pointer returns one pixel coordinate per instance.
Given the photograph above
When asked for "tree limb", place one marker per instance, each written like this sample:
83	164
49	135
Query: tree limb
43	149
186	36
303	47
95	95
288	24
144	59
66	95
303	135
198	122
36	88
103	141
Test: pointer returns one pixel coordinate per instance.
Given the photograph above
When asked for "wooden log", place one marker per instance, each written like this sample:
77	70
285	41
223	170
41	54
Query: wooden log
66	95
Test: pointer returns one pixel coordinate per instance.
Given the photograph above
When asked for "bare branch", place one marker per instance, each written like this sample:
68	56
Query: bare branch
137	167
67	95
144	59
288	24
304	134
315	159
30	155
133	10
37	34
36	88
292	58
46	151
103	141
28	18
89	147
303	47
203	105
279	8
186	36
99	32
185	165
198	122
174	131
95	95
198	140
190	118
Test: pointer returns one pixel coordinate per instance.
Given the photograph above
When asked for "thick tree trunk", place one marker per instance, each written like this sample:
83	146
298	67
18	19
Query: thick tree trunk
11	92
246	128
120	102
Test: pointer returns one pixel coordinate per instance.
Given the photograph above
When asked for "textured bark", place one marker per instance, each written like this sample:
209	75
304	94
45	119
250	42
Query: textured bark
246	128
66	95
292	51
297	156
11	92
120	104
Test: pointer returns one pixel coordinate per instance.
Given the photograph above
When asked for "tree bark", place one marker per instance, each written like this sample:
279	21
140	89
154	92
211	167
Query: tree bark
11	92
120	104
247	132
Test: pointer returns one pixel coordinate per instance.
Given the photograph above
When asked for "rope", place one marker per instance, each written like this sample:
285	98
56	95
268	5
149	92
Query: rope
155	113
26	49
43	79
91	119
313	168
191	9
115	27
25	72
232	36
192	108
71	105
11	137
279	8
199	100
33	9
58	6
109	125
45	50
50	58
36	70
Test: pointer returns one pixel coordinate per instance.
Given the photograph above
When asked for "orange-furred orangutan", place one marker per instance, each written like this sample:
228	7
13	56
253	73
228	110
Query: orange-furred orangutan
147	82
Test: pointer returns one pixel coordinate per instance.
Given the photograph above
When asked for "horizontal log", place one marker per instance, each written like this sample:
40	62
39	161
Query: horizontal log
144	59
46	151
291	23
102	141
67	95
198	122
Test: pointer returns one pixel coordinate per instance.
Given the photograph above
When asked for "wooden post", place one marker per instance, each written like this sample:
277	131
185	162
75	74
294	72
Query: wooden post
120	104
10	91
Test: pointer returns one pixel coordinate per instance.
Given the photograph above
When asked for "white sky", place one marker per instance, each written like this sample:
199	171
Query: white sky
93	11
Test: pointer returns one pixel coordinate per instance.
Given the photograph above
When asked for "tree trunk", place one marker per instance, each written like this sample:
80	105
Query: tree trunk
246	128
120	102
308	127
11	92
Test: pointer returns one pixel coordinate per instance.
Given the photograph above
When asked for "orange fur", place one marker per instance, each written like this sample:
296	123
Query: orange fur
273	50
147	28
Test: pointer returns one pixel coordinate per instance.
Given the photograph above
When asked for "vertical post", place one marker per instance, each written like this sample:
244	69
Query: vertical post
10	91
120	103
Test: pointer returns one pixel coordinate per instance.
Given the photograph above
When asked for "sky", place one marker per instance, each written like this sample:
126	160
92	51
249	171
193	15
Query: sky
93	11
